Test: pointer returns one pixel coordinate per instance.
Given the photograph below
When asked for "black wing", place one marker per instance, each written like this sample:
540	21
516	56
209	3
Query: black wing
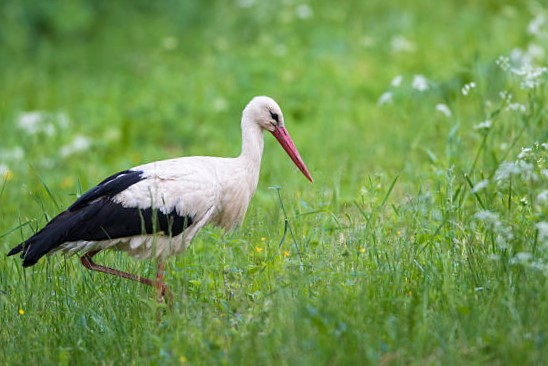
109	187
95	216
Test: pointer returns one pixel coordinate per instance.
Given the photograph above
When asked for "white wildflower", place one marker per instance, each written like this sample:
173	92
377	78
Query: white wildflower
506	95
542	197
386	97
527	170
525	152
246	3
63	120
524	170
535	51
468	87
505	170
444	109
523	66
48	129
304	11
367	41
540	266
518	58
4	170
112	134
420	83
170	43
483	126
503	234
46	163
79	144
482	184
220	104
516	107
493	257
521	258
31	122
396	81
542	228
487	216
536	25
533	78
37	122
503	62
531	75
15	154
401	44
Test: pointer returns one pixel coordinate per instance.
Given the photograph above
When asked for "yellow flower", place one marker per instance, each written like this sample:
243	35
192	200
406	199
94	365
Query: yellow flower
362	250
183	359
398	233
21	312
8	175
67	182
263	239
286	253
258	249
136	157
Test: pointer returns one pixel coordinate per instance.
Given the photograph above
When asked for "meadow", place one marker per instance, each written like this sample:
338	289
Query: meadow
423	240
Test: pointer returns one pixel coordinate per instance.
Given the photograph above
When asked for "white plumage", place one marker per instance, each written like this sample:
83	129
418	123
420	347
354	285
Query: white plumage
211	190
156	209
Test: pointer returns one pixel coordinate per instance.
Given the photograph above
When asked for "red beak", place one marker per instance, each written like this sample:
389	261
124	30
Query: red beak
281	134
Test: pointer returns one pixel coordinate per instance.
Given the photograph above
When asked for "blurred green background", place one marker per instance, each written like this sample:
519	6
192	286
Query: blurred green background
147	80
413	246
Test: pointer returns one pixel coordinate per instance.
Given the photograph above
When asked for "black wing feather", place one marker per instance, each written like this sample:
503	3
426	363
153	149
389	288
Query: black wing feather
109	187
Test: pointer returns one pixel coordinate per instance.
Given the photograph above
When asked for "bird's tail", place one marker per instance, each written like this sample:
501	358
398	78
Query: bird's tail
56	232
17	249
44	241
33	249
30	250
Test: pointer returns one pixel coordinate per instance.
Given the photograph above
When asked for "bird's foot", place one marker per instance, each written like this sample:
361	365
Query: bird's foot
165	295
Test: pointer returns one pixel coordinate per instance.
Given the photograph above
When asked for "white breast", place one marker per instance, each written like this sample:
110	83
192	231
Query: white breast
194	185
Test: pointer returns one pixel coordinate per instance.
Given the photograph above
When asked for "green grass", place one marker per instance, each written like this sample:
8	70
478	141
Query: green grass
422	241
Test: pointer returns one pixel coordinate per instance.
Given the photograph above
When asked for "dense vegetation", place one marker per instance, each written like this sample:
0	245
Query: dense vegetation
424	239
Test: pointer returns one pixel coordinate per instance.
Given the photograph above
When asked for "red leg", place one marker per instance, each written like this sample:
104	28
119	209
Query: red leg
160	286
88	262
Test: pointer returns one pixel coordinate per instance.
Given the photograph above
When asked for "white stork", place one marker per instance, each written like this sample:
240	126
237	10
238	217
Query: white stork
156	209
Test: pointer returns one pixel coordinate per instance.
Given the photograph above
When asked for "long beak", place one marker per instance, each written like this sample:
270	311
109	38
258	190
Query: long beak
281	134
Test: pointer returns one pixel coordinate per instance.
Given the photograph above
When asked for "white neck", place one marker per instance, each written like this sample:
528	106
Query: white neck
252	141
252	147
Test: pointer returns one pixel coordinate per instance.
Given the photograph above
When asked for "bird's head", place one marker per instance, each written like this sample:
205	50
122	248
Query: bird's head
267	114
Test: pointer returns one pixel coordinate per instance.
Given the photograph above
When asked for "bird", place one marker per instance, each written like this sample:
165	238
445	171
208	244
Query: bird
154	210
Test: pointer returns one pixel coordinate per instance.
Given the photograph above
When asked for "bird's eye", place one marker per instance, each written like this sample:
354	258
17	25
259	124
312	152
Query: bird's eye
274	116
